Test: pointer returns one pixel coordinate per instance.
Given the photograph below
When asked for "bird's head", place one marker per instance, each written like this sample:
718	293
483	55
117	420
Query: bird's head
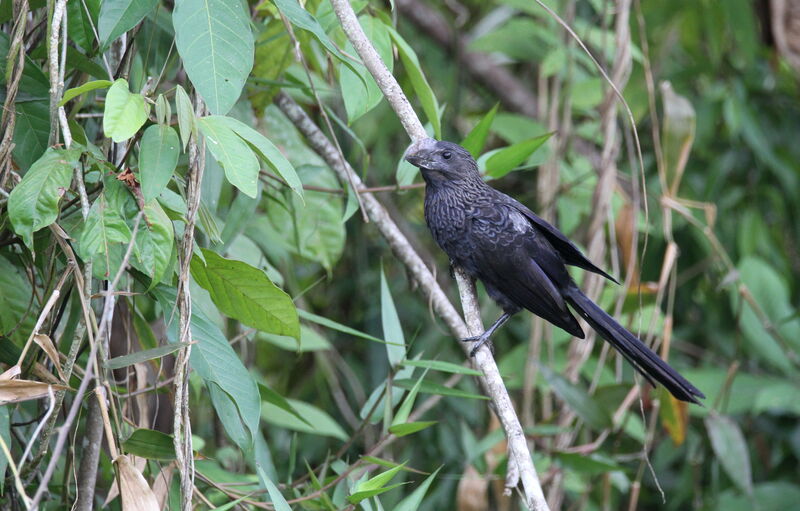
441	161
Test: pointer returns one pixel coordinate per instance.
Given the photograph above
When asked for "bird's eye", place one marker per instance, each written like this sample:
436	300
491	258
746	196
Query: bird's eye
446	155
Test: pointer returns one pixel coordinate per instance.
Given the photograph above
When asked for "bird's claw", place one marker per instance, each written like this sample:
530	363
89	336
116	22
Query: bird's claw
479	341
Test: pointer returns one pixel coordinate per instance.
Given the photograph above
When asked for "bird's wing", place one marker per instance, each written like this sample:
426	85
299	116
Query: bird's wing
504	257
569	252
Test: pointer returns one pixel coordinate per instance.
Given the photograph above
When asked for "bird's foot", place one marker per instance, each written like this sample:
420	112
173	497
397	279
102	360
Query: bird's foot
479	341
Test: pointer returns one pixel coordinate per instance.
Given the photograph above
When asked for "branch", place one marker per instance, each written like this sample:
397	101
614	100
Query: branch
518	447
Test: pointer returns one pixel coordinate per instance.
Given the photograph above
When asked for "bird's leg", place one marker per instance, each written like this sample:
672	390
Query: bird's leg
479	340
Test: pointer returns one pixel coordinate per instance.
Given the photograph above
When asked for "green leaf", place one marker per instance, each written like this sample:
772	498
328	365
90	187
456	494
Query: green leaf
591	464
272	397
375	485
730	448
314	420
154	243
428	387
31	132
408	403
392	332
507	159
476	138
446	367
267	151
124	113
16	319
424	92
186	121
278	502
407	428
119	16
103	226
215	361
158	157
780	397
214	39
232	153
143	356
86	87
769	496
413	501
333	325
245	293
581	403
33	203
771	292
359	90
303	19
150	444
309	341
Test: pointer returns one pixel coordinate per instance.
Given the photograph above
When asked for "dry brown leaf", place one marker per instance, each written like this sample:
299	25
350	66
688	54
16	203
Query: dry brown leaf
135	492
11	372
162	483
473	491
50	350
15	391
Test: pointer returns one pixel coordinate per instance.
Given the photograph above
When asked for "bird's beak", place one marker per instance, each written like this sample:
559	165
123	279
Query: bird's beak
419	150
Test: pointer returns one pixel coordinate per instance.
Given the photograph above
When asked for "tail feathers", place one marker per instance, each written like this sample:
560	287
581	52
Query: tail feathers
642	358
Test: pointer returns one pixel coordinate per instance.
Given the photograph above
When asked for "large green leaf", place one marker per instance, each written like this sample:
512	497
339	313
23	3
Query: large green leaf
232	153
215	362
266	150
770	291
158	157
14	298
33	203
125	112
359	91
103	227
150	444
31	132
119	16
730	448
309	227
214	40
245	293
303	19
83	89
154	242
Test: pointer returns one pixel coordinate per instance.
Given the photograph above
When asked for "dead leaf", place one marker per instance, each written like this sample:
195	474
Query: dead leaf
50	350
16	391
11	372
135	492
473	491
162	483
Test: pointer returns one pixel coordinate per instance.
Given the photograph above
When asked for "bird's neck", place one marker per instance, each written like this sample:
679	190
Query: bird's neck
467	188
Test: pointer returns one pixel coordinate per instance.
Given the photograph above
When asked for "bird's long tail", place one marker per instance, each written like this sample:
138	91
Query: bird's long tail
635	351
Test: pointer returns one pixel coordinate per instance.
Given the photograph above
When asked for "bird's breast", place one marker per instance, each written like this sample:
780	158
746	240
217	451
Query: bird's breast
446	219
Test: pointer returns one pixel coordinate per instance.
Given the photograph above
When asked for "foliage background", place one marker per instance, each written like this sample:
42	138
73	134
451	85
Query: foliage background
269	410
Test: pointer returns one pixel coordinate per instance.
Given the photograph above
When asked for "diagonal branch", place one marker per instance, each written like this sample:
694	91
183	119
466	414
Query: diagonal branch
484	360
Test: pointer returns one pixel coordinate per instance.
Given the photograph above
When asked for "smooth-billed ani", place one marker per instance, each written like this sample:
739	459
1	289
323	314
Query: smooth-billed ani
519	257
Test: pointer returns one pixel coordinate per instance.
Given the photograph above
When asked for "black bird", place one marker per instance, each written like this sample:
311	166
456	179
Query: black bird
519	257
